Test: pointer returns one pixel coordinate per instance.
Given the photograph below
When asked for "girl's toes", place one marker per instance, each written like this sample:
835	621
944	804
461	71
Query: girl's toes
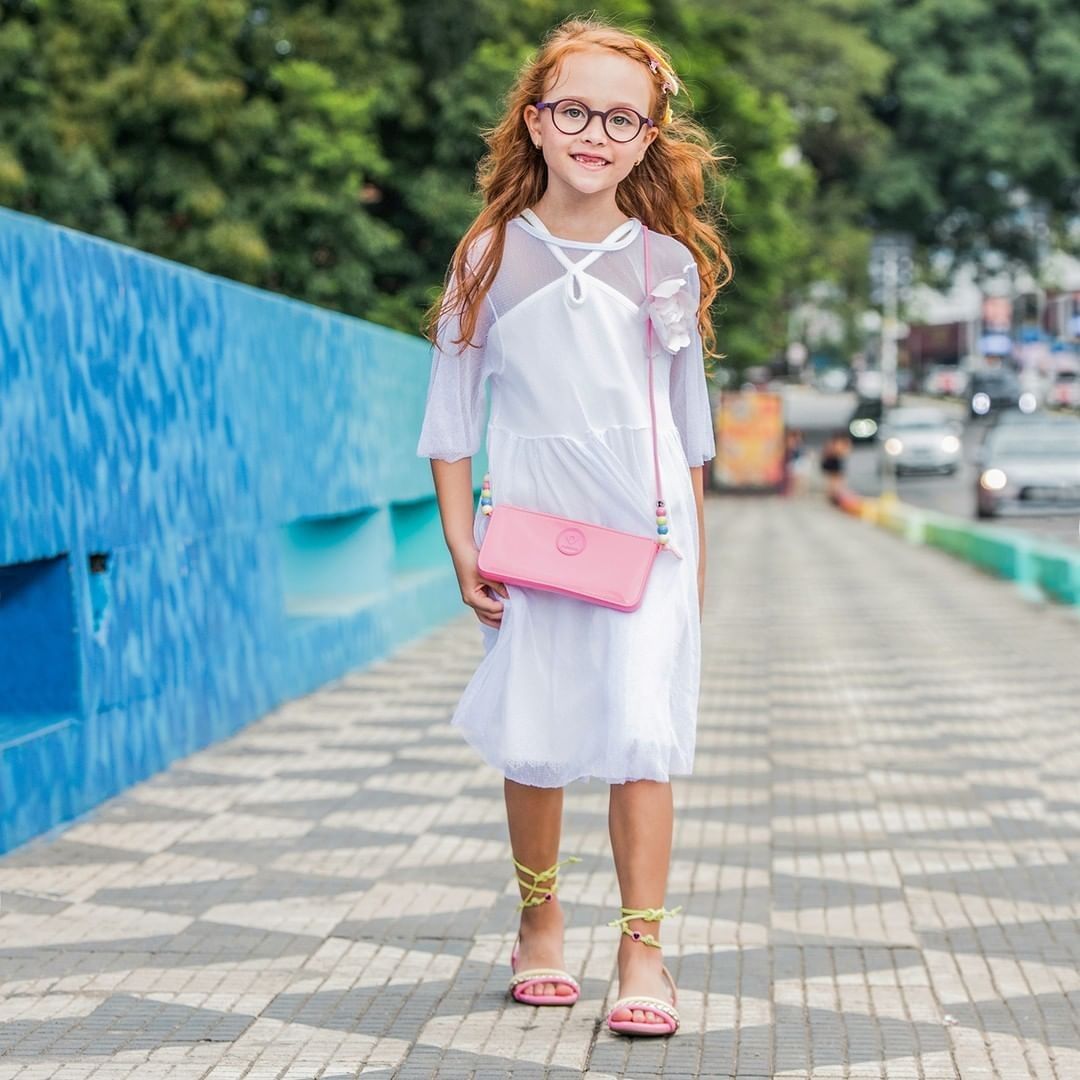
563	989
639	1016
622	1013
548	989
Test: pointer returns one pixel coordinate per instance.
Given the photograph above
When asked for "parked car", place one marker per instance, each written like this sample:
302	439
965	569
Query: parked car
865	419
920	439
1029	467
998	388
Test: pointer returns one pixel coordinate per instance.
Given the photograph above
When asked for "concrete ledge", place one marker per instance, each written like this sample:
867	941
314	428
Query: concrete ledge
1041	569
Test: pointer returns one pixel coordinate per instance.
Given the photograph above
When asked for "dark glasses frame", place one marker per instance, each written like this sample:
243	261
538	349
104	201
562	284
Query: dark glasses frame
603	114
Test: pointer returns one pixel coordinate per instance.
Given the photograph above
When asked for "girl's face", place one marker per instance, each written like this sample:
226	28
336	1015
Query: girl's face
591	162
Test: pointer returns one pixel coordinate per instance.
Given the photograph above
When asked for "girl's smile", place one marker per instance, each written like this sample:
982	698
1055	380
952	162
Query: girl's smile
590	161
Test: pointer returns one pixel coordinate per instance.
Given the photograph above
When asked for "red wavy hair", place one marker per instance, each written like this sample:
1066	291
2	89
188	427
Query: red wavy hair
667	191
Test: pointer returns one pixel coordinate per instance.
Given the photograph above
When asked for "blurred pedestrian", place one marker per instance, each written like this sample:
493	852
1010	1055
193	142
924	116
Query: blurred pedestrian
833	460
583	202
794	460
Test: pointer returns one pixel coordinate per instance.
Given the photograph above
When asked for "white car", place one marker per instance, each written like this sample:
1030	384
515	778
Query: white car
919	439
1031	466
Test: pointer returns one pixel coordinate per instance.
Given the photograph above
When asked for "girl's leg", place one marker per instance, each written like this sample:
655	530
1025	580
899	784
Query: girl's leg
640	820
534	815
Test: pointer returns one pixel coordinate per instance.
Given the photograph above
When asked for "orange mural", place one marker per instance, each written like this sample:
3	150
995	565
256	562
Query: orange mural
749	441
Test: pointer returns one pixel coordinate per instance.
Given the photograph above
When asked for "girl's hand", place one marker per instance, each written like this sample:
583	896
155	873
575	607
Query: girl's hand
474	587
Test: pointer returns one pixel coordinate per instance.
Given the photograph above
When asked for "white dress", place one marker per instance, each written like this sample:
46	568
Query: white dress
566	689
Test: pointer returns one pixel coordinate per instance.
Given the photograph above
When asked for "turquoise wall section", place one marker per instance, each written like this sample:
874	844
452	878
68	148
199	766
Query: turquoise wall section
210	502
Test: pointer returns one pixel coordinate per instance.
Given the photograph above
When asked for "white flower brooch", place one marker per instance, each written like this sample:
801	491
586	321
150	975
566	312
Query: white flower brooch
673	313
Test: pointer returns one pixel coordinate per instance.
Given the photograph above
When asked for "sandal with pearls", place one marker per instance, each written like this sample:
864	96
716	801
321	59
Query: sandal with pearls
520	987
670	1023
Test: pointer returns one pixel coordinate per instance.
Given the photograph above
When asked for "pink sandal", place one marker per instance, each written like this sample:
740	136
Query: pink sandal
670	1022
522	981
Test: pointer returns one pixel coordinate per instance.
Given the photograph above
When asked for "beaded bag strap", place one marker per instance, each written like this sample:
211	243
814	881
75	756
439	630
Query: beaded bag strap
651	914
531	899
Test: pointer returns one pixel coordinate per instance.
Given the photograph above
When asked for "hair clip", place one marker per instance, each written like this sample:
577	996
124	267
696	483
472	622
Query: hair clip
654	64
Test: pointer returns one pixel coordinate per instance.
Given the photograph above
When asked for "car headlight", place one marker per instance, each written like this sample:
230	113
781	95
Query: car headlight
981	402
893	446
863	428
1027	402
950	444
993	479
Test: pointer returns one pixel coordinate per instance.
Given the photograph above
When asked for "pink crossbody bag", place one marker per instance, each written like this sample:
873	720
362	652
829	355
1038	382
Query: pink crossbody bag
590	562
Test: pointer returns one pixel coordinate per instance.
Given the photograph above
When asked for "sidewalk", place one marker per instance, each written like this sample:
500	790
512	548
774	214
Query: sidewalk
878	857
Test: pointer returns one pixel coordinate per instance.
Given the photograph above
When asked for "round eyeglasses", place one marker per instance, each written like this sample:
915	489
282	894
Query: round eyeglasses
572	117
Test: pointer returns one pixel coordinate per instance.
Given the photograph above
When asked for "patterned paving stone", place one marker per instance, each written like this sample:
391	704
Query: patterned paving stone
876	856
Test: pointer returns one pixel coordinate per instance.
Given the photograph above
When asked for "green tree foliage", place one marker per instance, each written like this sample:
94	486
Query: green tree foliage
981	104
237	137
328	149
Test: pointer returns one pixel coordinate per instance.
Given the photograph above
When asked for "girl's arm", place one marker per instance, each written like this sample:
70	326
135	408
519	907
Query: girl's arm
451	434
697	478
454	491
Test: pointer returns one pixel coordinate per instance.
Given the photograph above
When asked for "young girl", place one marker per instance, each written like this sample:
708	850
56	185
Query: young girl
545	301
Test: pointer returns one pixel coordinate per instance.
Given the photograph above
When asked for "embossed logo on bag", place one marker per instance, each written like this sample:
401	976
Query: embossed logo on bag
570	541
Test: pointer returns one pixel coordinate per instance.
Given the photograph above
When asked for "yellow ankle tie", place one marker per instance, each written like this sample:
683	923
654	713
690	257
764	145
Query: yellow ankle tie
650	914
550	874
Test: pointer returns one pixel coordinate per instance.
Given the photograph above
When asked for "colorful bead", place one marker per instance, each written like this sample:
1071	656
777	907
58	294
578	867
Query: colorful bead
485	496
661	519
662	529
661	539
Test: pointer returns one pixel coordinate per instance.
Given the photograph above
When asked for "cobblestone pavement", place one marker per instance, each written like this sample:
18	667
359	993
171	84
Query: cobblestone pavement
877	857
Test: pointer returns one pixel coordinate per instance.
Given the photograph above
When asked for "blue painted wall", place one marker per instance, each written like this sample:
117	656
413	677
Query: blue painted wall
210	502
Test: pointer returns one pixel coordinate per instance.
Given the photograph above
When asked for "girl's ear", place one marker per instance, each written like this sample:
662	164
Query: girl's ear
531	115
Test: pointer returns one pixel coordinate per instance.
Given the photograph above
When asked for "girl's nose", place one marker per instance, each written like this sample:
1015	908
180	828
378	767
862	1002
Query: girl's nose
595	126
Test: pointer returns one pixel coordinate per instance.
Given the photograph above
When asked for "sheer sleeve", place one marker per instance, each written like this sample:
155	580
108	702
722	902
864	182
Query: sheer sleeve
454	415
690	406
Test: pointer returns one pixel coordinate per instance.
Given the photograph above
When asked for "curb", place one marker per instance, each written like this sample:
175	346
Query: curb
1040	569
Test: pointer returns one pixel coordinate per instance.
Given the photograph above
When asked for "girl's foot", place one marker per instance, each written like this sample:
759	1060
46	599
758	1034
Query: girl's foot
640	973
540	945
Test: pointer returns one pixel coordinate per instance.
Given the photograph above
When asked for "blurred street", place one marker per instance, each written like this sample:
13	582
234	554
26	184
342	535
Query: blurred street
817	414
877	858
